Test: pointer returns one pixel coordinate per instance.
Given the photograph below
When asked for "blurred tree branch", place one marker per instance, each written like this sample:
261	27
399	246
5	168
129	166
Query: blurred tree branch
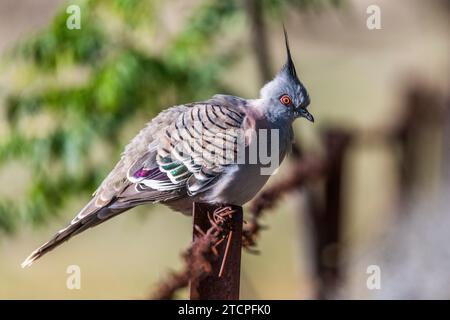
259	40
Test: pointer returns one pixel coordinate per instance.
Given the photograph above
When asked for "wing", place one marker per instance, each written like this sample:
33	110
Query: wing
193	151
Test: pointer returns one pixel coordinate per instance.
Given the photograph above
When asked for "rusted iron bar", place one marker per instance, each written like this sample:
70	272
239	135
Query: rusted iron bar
327	216
446	142
224	223
422	123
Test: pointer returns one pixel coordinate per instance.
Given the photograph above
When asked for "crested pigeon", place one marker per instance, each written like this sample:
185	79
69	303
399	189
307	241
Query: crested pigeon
190	153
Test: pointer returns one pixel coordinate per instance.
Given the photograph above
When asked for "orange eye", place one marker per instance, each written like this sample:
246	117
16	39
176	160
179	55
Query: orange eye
286	100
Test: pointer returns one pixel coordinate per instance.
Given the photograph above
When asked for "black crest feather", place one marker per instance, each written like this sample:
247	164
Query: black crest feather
289	66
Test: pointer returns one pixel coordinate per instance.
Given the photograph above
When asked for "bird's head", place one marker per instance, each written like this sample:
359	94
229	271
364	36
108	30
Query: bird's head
285	93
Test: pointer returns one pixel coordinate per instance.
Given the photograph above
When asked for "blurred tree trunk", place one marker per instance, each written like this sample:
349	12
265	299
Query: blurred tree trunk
255	13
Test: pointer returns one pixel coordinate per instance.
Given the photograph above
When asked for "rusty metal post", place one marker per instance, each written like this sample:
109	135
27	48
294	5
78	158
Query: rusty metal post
418	138
327	217
446	142
213	286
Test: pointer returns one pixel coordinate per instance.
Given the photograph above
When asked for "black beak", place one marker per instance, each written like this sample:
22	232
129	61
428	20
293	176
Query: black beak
305	114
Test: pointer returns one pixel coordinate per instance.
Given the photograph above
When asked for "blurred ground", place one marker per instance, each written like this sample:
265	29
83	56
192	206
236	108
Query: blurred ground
355	78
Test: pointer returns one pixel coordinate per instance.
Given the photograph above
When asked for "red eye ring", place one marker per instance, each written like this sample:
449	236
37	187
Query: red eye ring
286	100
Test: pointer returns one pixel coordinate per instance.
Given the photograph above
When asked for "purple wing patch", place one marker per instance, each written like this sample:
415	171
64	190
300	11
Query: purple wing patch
150	174
143	172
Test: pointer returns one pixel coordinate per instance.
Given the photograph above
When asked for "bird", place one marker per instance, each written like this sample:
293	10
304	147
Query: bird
189	153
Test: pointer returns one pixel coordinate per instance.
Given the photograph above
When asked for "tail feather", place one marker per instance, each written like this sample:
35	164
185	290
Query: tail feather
92	215
88	220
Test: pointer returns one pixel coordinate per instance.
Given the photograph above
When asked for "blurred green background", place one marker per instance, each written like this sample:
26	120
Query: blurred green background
71	99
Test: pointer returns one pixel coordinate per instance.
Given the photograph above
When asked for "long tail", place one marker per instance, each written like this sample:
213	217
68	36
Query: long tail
88	217
92	215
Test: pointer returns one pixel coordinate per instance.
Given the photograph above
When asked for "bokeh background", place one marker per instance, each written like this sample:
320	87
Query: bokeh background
71	99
